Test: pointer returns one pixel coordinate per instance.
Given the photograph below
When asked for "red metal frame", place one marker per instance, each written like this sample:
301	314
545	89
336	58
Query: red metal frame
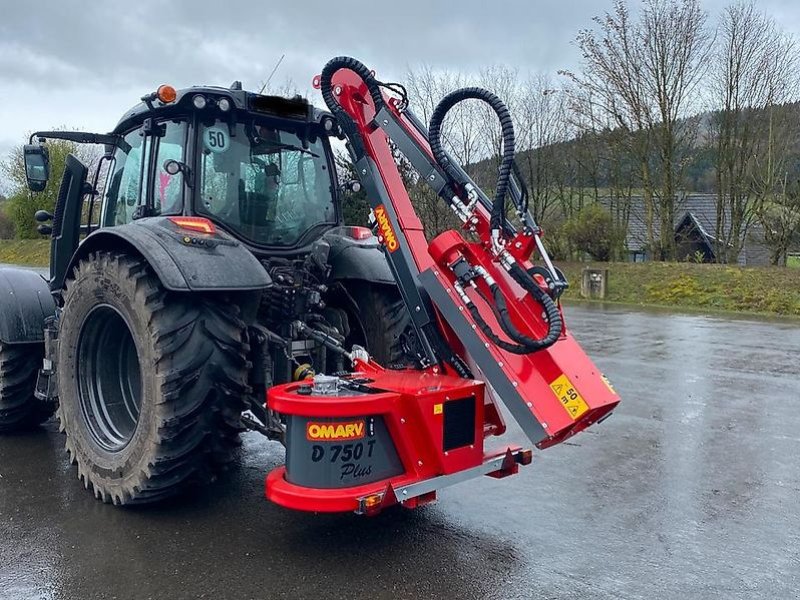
533	373
558	386
409	410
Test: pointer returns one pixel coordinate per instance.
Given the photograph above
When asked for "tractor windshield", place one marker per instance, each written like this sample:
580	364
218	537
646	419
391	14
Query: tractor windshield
262	183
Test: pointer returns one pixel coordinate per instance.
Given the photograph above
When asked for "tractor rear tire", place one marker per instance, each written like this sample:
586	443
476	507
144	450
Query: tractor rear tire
19	408
387	324
151	383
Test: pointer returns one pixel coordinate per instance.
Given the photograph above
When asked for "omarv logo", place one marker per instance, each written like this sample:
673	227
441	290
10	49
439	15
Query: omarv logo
385	229
335	432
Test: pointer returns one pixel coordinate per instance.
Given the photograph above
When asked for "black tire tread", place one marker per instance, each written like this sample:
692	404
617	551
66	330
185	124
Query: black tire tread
386	323
19	408
201	371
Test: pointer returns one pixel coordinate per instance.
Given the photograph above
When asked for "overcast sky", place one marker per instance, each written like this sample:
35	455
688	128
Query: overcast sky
62	66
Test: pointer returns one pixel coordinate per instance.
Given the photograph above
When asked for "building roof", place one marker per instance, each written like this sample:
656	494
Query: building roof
700	209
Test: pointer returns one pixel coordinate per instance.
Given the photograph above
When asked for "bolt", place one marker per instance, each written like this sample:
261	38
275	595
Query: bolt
417	308
514	383
530	405
486	344
386	121
363	171
402	421
419	463
544	425
500	364
337	90
432	177
518	245
473	325
405	492
461	309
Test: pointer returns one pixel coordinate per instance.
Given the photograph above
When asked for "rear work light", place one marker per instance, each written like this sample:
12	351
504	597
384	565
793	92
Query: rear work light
199	224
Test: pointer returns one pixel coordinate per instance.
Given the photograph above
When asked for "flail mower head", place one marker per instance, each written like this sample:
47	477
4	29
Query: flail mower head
489	326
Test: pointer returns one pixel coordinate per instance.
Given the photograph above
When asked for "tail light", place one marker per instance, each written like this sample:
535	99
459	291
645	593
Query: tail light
198	224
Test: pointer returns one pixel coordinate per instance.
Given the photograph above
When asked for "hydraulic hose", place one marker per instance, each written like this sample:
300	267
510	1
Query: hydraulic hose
328	95
507	128
525	344
360	69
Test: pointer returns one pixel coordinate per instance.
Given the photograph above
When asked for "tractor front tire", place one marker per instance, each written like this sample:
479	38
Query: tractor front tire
19	408
150	382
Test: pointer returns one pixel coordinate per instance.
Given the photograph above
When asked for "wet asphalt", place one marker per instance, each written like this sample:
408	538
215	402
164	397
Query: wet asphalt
691	490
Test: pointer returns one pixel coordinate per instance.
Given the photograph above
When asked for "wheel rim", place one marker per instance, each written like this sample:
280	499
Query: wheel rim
109	378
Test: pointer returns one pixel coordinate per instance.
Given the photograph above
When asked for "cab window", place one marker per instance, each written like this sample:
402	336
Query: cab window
263	183
168	191
130	166
124	184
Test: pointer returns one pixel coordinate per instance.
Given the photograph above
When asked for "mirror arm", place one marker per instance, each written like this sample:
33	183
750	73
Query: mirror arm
82	137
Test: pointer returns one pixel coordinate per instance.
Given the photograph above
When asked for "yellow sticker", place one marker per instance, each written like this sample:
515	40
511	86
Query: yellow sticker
438	409
608	384
569	397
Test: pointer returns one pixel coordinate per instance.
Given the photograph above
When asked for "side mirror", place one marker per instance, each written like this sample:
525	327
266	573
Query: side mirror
37	167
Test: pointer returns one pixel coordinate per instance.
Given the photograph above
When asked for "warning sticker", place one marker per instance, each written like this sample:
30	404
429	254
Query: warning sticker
216	140
569	396
438	409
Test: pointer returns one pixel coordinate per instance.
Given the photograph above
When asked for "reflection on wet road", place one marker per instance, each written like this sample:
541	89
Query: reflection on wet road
692	489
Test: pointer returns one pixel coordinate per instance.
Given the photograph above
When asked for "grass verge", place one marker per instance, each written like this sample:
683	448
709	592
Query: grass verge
33	253
764	290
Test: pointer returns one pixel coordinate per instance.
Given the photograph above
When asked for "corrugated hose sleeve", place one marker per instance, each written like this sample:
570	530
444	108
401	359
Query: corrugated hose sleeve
360	69
507	129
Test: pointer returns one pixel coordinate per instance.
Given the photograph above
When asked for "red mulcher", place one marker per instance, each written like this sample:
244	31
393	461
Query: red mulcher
488	322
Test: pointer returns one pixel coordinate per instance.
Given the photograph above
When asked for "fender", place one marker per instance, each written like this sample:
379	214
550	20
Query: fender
184	261
25	303
357	259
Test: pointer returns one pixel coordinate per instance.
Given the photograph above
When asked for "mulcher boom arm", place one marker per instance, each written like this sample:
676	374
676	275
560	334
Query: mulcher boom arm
480	309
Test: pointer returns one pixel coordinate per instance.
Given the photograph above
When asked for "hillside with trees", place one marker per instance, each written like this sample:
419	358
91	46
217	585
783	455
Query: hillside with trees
669	101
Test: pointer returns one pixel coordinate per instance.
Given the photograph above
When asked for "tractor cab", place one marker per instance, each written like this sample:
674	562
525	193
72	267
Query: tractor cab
258	166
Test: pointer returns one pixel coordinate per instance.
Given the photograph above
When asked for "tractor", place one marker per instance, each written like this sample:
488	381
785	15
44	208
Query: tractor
202	284
180	270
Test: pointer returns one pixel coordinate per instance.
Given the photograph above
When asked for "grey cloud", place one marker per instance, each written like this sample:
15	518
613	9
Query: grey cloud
67	50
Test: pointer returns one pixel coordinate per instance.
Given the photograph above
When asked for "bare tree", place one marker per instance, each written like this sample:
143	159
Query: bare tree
611	89
754	69
460	133
676	48
779	216
542	129
641	76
